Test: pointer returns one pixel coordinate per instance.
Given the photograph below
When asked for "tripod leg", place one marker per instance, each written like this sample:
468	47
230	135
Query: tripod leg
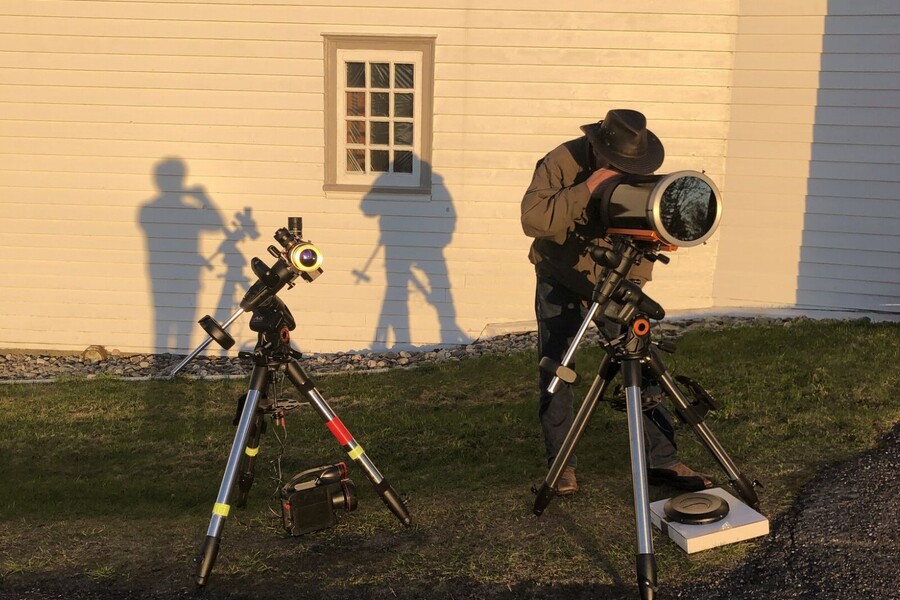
210	548
687	413
247	469
646	562
353	449
605	373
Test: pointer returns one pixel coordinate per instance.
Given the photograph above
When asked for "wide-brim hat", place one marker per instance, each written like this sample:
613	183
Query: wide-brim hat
622	138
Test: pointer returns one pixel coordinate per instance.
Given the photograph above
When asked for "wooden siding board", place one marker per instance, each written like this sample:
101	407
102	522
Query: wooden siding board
564	128
849	258
210	170
64	42
186	135
858	153
643	69
770	8
161	63
254	21
852	274
753	78
850	301
775	61
854	80
164	115
553	108
835	205
870	117
876	190
781	22
756	286
179	98
591	80
700	7
100	78
881	292
765	42
865	225
861	23
149	151
681	88
851	241
577	47
249	189
846	134
838	170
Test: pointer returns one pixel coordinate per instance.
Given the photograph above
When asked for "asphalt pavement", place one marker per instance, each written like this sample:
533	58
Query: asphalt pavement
840	540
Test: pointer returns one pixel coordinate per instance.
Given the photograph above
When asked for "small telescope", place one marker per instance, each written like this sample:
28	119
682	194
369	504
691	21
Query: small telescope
678	209
297	258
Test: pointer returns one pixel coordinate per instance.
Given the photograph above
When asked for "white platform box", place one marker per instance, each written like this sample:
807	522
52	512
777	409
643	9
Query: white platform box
741	523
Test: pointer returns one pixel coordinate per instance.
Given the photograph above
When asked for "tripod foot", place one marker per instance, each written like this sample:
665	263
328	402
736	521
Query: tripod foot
544	496
646	576
745	489
393	502
206	559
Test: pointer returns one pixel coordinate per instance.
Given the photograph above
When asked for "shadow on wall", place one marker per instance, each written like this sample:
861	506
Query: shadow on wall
173	222
850	253
414	235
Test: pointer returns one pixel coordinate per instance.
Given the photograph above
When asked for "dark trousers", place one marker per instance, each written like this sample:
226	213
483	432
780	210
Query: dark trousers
559	314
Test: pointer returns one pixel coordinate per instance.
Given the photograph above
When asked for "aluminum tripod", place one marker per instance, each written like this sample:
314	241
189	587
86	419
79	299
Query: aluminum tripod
633	353
273	322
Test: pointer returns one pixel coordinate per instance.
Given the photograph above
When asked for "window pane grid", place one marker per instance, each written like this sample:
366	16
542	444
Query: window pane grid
379	118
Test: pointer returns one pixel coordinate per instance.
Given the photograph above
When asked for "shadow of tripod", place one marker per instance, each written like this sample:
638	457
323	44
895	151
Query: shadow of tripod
633	351
234	281
273	354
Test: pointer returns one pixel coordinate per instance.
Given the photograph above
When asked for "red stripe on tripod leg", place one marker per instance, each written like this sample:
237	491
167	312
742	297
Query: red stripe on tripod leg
339	431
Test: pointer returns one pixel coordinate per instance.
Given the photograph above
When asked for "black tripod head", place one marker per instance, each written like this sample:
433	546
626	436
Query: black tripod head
622	300
272	321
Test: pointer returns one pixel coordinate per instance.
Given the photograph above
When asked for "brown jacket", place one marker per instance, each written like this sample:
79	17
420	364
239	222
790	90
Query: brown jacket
559	212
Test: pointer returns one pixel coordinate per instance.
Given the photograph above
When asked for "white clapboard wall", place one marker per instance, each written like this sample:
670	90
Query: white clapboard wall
813	214
96	98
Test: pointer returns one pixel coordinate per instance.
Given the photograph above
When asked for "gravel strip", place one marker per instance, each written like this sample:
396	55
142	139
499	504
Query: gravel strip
97	361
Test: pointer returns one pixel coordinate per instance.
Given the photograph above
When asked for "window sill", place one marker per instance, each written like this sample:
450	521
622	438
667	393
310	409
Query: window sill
404	193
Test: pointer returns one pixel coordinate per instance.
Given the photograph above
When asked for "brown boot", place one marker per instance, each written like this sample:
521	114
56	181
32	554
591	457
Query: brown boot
567	484
680	476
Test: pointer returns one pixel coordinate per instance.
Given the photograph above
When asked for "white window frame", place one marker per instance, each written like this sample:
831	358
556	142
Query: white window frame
341	49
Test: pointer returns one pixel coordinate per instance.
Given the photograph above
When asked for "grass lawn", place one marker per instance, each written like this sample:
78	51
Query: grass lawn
108	484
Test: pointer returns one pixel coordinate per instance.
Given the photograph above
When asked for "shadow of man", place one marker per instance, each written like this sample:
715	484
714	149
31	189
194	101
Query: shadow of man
173	222
413	258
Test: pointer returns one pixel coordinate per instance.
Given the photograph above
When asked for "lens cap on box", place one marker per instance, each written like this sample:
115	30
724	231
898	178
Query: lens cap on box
696	508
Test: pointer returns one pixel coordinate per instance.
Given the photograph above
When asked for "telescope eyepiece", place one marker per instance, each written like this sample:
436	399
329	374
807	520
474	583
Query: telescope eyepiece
295	225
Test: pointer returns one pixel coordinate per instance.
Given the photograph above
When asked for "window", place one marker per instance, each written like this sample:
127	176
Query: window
378	113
